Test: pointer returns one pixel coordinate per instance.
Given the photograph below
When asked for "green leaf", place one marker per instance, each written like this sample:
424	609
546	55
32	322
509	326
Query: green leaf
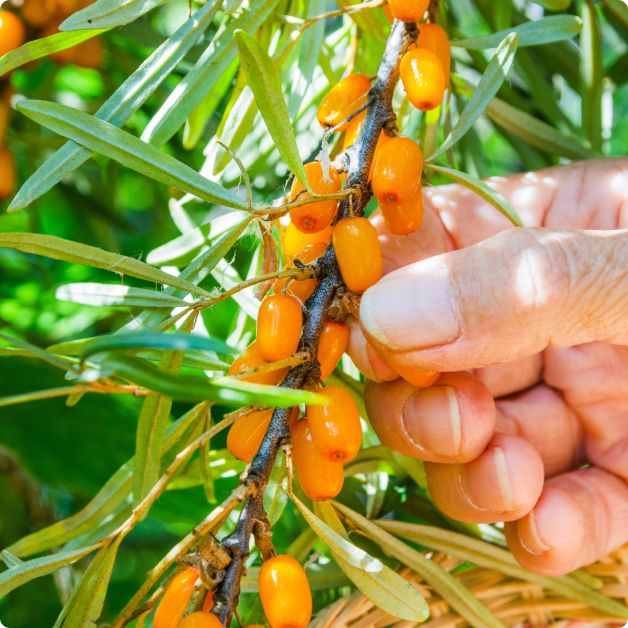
151	340
192	89
547	30
110	498
10	560
276	494
108	140
37	395
77	253
24	572
121	105
553	5
482	189
264	81
385	588
591	75
38	353
312	40
39	48
619	9
448	587
495	558
110	295
492	79
196	388
537	133
109	13
182	250
86	602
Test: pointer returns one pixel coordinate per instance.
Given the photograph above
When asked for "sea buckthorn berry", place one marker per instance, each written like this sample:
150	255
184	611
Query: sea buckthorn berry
175	599
4	118
353	130
418	377
8	174
318	215
397	173
294	241
358	253
201	620
333	343
335	427
403	216
302	289
12	32
345	97
279	323
294	417
319	477
408	10
246	434
423	78
433	37
208	603
251	359
37	13
285	593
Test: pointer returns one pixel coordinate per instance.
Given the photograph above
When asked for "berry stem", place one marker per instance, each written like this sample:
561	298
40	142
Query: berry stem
253	520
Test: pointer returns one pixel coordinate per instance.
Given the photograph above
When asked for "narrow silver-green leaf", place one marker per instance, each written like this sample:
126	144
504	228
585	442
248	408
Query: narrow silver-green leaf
192	89
312	40
386	588
18	575
591	75
106	139
536	132
77	253
40	48
492	79
109	13
263	79
547	30
10	560
553	5
122	104
276	495
110	295
448	587
151	340
482	189
619	9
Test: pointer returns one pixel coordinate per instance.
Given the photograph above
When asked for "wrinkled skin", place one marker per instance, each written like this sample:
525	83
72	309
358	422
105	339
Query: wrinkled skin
530	329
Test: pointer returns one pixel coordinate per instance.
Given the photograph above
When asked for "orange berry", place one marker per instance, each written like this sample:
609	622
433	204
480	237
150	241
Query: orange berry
86	55
318	215
319	477
201	620
208	603
175	599
343	99
418	377
388	13
333	343
246	434
12	32
294	241
408	10
285	593
279	323
335	427
358	253
433	37
251	359
8	173
353	130
4	118
403	216
37	13
423	78
303	289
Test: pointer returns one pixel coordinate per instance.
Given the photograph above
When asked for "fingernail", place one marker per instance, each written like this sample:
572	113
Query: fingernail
431	418
411	308
529	536
485	483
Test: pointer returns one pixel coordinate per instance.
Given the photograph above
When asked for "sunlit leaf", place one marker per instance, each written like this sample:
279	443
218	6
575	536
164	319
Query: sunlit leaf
619	9
591	75
106	294
264	81
547	30
109	13
108	140
492	79
482	189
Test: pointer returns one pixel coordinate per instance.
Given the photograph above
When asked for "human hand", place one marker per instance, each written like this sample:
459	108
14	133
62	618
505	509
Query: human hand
530	330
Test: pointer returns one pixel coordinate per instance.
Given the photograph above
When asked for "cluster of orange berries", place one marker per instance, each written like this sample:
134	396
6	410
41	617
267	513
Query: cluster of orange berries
283	587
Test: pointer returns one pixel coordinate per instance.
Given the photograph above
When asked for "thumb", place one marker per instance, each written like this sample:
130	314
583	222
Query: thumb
504	298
